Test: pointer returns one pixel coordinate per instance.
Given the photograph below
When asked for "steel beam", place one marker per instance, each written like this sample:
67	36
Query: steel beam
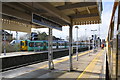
88	10
17	14
73	16
15	26
50	51
52	10
77	5
77	42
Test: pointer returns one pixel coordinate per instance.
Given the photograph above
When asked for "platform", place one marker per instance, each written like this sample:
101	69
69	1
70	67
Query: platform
11	54
89	65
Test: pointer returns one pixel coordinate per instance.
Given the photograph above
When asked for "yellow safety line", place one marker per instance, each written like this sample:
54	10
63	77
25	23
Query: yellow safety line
55	62
72	57
91	63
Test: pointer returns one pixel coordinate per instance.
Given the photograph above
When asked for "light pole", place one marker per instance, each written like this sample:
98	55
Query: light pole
99	30
16	35
89	45
85	38
16	40
99	37
76	42
94	38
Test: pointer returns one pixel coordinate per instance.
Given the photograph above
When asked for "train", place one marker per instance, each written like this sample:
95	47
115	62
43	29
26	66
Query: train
28	45
113	45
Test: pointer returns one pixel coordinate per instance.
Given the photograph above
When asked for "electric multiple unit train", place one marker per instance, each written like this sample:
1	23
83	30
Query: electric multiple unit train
113	45
28	45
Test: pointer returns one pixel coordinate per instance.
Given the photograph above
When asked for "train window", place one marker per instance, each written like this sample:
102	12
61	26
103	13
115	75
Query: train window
119	28
119	44
31	44
37	44
115	23
60	44
119	17
118	55
54	43
45	44
21	43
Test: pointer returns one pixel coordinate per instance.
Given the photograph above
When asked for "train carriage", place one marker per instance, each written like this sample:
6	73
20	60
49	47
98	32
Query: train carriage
28	45
37	45
113	45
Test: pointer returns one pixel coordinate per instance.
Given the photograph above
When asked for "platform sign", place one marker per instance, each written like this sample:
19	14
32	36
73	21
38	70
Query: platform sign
40	20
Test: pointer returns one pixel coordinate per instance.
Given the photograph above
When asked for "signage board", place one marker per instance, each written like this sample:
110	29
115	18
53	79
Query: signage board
40	20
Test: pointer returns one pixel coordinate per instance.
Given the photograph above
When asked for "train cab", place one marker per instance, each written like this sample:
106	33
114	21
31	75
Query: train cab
23	45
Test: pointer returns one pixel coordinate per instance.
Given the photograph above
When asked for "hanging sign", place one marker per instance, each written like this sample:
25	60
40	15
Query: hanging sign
40	20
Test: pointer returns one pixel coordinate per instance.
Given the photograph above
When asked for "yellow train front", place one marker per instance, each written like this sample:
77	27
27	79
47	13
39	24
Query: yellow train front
23	45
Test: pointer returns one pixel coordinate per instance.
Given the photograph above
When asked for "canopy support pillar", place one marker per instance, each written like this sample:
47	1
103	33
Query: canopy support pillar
50	51
70	48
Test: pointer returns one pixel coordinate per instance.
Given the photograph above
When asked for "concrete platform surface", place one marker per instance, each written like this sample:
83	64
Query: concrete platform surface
89	65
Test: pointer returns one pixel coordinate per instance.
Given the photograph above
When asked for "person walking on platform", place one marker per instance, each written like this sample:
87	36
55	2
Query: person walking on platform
102	46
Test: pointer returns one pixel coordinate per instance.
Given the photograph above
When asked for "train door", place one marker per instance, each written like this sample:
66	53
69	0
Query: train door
57	45
65	44
45	45
118	57
118	45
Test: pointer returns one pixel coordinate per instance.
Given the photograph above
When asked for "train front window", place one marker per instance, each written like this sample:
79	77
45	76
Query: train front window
21	43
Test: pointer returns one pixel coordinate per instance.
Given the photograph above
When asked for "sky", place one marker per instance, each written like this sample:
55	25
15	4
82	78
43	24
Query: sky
101	28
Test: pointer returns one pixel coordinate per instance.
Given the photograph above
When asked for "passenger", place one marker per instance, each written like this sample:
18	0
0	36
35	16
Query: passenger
102	46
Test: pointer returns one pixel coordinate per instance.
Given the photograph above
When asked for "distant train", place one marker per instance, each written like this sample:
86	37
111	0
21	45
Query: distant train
28	45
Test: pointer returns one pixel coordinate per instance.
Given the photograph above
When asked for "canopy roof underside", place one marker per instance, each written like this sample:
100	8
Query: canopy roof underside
16	14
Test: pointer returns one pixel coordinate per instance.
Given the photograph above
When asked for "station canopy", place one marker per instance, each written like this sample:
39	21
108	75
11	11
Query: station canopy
18	16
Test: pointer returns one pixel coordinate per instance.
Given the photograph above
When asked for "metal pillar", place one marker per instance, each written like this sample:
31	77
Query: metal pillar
93	39
99	30
50	51
85	38
16	40
93	43
76	42
16	35
70	48
89	45
4	42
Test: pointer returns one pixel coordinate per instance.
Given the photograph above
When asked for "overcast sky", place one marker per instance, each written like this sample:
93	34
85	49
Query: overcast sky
106	15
